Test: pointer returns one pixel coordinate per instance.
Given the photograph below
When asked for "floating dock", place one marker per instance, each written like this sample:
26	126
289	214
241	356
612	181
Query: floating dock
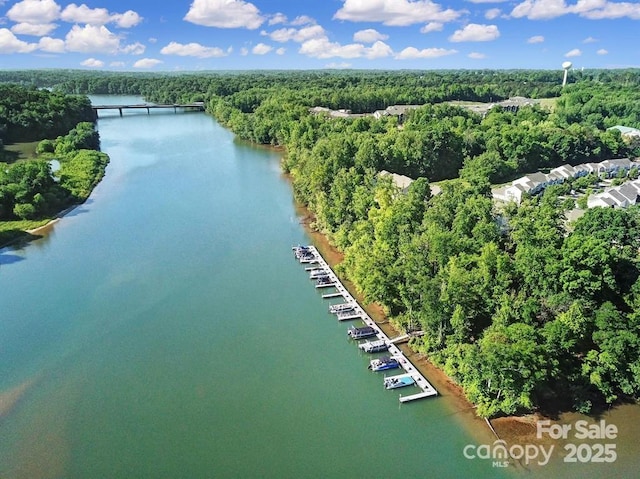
332	295
427	390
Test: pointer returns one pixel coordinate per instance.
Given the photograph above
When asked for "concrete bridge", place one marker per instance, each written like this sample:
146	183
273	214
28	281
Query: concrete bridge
196	105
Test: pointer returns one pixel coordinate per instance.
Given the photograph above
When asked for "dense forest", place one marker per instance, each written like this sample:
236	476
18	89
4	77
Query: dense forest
29	188
521	308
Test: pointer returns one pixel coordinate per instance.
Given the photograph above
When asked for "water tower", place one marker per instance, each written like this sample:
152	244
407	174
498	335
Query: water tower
565	67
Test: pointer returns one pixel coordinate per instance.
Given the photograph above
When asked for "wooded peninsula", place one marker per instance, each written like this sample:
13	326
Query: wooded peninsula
31	192
526	306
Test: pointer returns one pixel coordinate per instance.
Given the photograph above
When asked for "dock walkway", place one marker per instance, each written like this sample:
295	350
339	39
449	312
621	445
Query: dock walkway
427	390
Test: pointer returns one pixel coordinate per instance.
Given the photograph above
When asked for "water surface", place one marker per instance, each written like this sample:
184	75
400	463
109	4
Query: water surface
163	329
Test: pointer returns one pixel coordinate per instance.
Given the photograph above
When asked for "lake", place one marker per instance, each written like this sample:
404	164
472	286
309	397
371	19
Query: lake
163	329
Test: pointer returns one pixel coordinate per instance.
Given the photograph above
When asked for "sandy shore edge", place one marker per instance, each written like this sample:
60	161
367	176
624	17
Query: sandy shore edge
54	220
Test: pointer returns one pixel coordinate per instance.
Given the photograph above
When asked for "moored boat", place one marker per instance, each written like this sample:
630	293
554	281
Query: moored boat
374	346
324	280
361	333
395	382
383	363
343	307
318	273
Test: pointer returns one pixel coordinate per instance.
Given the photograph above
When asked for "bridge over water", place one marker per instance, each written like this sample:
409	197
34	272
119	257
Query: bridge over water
197	106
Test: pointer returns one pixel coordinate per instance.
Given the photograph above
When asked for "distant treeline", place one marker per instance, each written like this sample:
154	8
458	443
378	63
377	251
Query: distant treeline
520	309
30	114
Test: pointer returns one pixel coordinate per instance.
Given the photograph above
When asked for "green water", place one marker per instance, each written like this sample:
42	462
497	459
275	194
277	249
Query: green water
164	330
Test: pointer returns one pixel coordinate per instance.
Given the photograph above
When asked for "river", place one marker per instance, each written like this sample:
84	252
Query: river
163	329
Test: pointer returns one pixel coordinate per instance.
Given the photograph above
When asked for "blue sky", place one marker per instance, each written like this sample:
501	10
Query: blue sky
176	35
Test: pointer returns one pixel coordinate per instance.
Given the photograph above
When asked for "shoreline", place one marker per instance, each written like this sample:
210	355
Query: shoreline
512	430
40	231
57	217
456	401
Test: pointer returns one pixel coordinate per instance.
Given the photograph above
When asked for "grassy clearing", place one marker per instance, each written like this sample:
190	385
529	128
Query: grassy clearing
548	103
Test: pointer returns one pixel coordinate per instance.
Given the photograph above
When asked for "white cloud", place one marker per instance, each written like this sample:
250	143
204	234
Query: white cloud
590	40
92	63
576	52
432	27
225	14
153	40
536	39
281	51
146	63
91	38
368	36
134	49
591	9
37	30
539	9
378	50
303	20
477	56
412	53
127	19
244	51
99	16
487	1
117	64
9	43
261	49
602	51
613	10
338	66
192	50
323	48
51	45
474	32
492	13
37	12
83	14
395	12
307	33
277	19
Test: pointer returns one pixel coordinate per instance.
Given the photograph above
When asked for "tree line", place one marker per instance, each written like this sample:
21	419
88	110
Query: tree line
521	308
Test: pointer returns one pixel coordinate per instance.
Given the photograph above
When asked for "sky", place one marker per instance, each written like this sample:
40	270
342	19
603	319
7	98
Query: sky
177	35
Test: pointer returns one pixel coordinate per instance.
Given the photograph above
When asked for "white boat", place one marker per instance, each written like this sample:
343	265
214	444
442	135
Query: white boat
362	332
338	308
317	273
401	381
374	346
384	363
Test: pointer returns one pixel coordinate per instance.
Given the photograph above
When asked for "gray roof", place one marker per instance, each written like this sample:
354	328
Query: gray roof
568	169
537	178
617	196
603	197
555	175
620	162
521	187
629	192
401	109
